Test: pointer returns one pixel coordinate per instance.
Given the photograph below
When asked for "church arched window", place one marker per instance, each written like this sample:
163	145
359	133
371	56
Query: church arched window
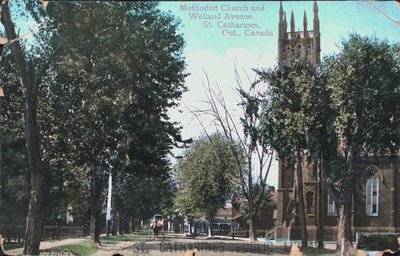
372	195
310	202
331	207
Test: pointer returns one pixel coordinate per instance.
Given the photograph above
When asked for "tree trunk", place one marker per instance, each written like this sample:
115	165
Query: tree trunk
344	229
131	225
1	149
210	221
321	215
115	223
37	202
96	186
252	227
300	201
252	215
127	222
30	83
121	221
108	227
344	224
34	219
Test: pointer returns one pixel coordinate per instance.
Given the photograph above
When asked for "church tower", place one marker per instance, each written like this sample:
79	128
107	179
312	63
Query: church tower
368	216
303	43
296	44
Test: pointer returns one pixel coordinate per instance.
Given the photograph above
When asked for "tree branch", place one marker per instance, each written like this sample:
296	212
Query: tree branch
15	48
39	75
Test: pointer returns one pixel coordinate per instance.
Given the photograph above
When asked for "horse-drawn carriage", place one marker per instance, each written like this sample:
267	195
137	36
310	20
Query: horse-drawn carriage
157	226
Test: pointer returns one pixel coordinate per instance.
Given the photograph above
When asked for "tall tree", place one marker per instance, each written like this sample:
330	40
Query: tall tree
298	122
206	178
31	69
364	79
253	172
288	116
321	138
118	77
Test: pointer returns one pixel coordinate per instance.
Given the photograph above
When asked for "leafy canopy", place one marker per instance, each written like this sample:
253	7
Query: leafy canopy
205	176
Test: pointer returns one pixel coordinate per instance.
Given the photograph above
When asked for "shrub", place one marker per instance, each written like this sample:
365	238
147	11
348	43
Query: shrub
378	242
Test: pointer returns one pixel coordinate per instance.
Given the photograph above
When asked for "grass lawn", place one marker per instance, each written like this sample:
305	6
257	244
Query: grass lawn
82	248
315	251
126	237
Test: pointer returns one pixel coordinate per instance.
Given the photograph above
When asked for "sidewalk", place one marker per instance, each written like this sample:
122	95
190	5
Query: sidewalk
49	245
175	245
171	246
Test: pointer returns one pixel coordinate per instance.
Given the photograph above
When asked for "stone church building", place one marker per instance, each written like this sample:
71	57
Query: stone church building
375	209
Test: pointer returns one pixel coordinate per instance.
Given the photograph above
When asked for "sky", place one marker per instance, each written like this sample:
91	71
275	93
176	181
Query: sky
214	50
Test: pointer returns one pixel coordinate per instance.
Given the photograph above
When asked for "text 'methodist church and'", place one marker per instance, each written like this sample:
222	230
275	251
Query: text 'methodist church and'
376	208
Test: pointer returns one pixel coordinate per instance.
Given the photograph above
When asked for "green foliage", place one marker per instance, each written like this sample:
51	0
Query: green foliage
127	237
82	248
348	106
121	68
103	104
354	95
205	177
378	242
264	217
296	112
141	197
76	194
316	251
260	233
365	93
114	239
14	179
363	79
337	169
251	107
14	200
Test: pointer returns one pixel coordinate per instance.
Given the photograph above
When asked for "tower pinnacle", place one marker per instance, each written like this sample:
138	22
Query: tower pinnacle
305	24
292	28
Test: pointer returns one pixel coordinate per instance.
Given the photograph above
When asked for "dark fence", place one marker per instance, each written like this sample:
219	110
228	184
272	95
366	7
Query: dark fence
377	241
56	232
15	234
